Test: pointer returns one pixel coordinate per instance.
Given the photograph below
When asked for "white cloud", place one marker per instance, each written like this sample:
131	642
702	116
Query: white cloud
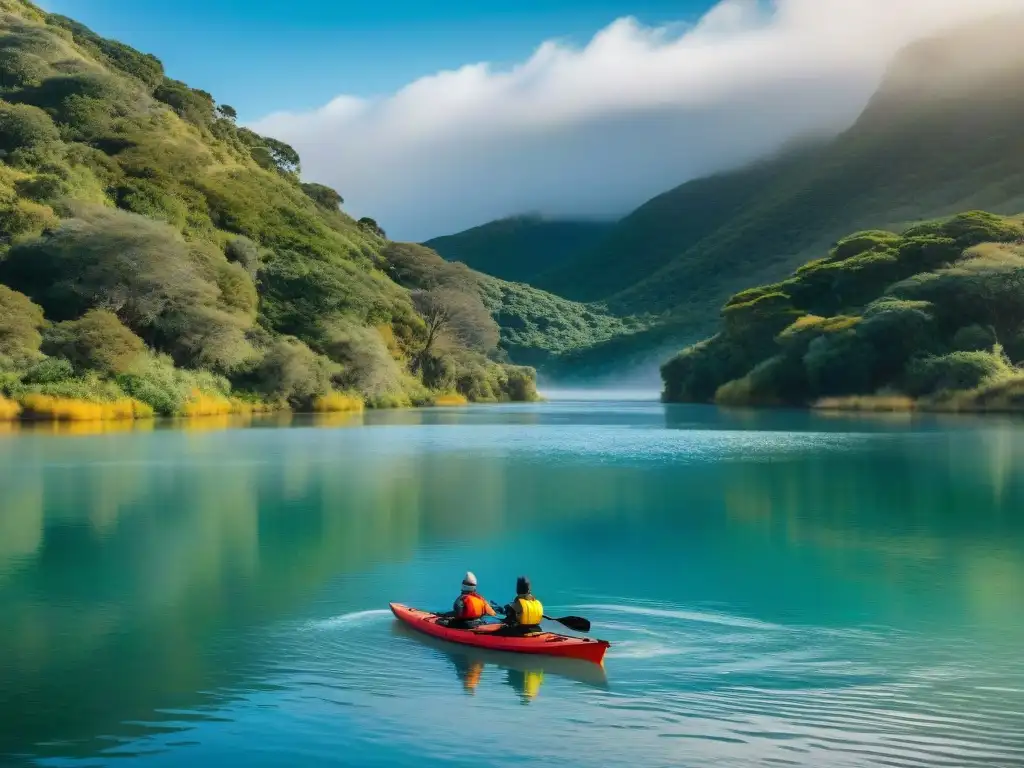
598	130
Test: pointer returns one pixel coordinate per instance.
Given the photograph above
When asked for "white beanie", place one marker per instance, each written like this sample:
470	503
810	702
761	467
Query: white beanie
469	582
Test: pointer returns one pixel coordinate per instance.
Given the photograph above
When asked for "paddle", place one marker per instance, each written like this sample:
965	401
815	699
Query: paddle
575	623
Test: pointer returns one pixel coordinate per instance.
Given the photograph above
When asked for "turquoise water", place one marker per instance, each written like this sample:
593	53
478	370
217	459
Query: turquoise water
778	588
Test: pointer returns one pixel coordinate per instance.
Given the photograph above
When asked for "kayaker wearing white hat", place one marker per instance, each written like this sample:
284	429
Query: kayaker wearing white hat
470	606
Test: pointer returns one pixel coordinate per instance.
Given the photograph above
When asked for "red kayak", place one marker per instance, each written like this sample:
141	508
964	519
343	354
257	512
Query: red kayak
490	636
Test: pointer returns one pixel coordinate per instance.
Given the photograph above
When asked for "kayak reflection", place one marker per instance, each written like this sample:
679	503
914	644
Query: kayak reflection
524	673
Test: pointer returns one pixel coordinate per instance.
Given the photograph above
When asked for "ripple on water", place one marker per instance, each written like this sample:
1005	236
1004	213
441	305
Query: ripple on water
682	686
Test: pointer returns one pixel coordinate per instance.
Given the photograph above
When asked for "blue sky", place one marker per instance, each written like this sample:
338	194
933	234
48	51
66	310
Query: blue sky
262	56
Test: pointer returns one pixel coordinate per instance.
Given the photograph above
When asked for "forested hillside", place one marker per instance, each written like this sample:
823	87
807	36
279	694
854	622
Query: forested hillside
535	327
932	317
520	248
941	135
157	257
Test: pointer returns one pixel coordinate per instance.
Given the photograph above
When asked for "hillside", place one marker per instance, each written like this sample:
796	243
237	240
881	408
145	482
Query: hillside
932	317
940	136
157	257
535	328
520	248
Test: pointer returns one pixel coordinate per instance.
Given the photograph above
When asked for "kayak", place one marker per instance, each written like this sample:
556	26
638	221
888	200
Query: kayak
490	636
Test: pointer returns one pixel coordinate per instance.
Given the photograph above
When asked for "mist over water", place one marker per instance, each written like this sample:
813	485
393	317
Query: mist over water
777	588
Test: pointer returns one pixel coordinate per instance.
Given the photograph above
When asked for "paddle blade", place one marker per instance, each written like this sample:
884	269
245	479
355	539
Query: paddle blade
575	623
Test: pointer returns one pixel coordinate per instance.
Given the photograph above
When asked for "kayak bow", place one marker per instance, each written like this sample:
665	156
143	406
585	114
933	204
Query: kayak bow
490	636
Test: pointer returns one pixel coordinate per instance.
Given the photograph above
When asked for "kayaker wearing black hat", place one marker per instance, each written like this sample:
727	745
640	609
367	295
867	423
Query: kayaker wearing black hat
469	606
523	614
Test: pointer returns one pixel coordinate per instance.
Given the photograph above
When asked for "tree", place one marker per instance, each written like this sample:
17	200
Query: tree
96	341
285	158
323	196
227	112
163	288
367	365
454	316
371	226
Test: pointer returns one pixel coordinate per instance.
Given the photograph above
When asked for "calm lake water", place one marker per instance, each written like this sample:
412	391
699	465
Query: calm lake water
778	588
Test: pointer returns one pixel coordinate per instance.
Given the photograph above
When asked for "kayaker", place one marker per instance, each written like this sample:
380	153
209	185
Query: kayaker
469	606
523	614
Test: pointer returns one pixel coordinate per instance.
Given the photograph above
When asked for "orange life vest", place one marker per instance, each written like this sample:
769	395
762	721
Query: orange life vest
470	606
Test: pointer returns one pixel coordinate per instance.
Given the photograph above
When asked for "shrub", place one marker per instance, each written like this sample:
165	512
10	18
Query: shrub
50	370
49	407
974	338
367	365
9	409
200	404
21	219
450	399
323	196
153	379
44	188
163	288
190	104
23	126
839	364
21	69
956	371
337	402
20	325
244	252
292	372
96	341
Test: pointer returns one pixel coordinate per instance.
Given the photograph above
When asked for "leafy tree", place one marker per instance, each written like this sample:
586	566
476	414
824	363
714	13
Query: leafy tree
285	158
371	226
227	112
324	196
190	104
96	341
454	317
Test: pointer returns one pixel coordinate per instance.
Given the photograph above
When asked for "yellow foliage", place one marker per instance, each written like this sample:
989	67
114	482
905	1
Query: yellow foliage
336	402
248	408
8	409
820	324
451	398
49	408
207	405
387	333
891	403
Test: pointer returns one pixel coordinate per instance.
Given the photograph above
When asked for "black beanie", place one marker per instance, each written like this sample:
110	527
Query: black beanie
522	586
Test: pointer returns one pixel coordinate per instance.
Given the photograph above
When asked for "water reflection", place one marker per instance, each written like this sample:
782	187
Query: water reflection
523	673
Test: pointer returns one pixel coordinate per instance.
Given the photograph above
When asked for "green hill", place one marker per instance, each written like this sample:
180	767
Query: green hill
153	252
932	317
520	248
535	327
940	136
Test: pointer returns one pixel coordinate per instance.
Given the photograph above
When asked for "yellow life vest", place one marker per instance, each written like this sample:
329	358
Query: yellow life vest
530	610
